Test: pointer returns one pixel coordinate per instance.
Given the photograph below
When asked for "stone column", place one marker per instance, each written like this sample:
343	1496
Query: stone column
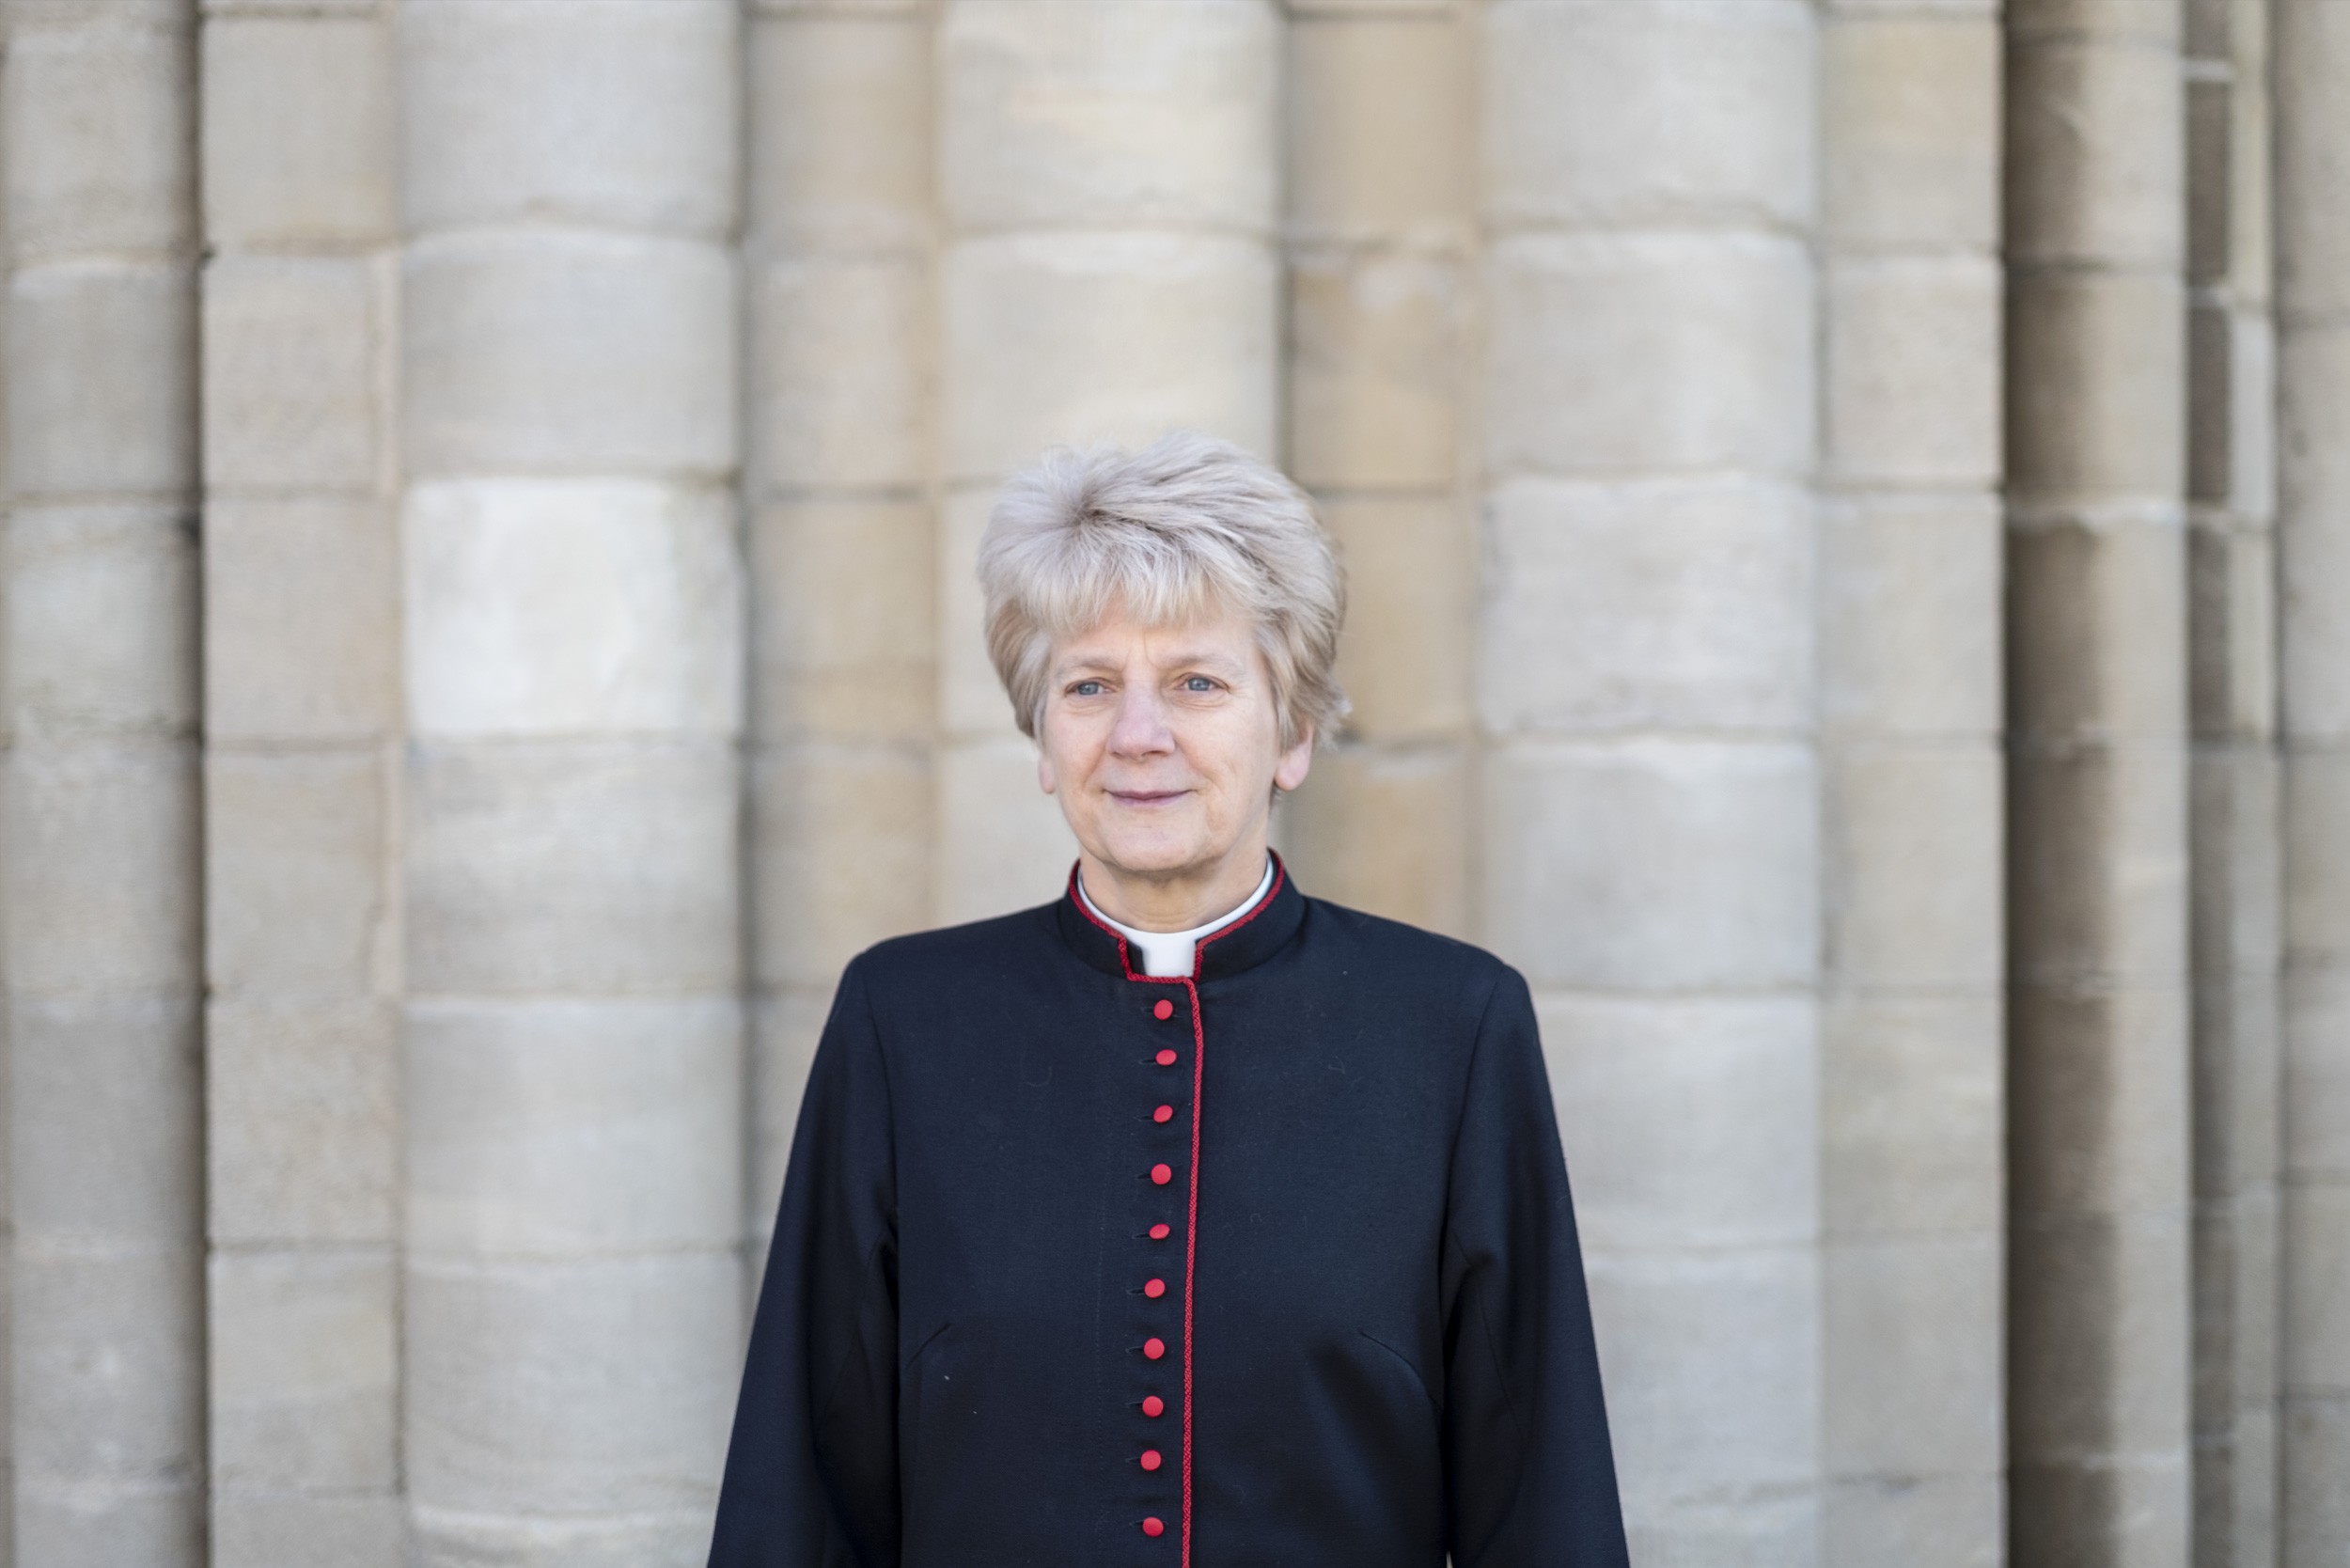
1108	175
842	522
101	895
574	663
2312	228
1913	1137
2098	1064
301	721
2232	801
1381	232
1651	855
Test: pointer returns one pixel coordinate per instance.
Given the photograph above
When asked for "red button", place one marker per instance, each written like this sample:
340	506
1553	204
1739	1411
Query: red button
1153	1348
1158	1233
1151	1527
1160	1174
1167	1059
1149	1459
1153	1406
1164	1113
1165	1009
1155	1289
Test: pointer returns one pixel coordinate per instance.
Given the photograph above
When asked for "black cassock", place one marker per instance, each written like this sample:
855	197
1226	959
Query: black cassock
1271	1267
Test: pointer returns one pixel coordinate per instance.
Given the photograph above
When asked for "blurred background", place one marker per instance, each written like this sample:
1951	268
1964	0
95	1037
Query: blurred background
1847	505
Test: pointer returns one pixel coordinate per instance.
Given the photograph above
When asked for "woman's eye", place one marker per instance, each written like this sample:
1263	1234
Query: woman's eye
1199	683
1086	688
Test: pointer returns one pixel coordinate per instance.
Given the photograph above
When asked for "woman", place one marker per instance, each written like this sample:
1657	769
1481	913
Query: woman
1186	1219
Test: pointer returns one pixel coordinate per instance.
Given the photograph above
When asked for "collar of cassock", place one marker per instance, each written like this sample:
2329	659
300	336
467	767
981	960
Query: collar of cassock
1257	935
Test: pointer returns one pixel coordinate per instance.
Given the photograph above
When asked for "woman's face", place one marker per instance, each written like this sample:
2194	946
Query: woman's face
1163	747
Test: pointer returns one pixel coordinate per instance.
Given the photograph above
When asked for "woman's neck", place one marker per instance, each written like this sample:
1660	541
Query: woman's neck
1175	902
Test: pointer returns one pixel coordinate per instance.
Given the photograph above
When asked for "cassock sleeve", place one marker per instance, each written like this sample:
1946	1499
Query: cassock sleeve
812	1477
1531	1480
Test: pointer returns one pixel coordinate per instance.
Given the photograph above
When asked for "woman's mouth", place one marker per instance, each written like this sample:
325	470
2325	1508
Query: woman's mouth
1145	799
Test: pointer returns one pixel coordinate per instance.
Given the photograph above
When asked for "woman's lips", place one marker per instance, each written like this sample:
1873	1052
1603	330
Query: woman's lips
1146	798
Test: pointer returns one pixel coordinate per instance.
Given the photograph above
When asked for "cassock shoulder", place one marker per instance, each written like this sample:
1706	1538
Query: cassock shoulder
982	947
1399	961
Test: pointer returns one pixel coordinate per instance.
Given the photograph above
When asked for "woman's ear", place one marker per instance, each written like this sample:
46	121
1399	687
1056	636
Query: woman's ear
1291	771
1044	779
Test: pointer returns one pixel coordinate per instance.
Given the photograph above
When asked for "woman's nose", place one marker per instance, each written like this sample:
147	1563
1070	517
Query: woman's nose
1141	725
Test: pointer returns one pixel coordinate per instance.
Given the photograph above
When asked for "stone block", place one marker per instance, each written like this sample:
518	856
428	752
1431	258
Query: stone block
1688	1123
1910	618
840	373
305	1371
297	900
1381	128
1912	1132
1645	351
1931	1522
303	1114
843	640
573	867
301	621
299	132
101	381
1119	114
2316	1474
2097	632
2314	546
2095	412
2311	51
620	114
841	132
1712	1365
1654	864
2318	1284
1682	605
109	1384
784	1032
843	856
1405	655
1002	844
580	1387
1910	114
2097	1112
572	607
1084	338
1619	115
101	623
1914	1378
106	1127
2105	21
289	374
499	377
551	1127
2232	623
2316	1103
271	1531
2097	870
2099	132
1375	371
1913	838
96	135
82	1524
1912	372
104	844
2098	1340
971	700
1387	830
460	1538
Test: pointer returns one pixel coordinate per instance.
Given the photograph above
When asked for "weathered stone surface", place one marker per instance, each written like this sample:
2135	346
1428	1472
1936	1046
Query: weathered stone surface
103	840
2096	185
847	855
1910	128
102	380
106	1139
304	1370
1910	616
275	1531
296	894
1385	829
2089	412
1379	127
300	615
1912	372
1911	1130
844	633
841	347
1406	657
1374	378
299	138
1910	837
130	570
97	121
840	145
303	1122
1001	842
290	374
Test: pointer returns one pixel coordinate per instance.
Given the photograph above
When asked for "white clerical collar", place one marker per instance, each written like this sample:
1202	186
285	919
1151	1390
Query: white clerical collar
1170	953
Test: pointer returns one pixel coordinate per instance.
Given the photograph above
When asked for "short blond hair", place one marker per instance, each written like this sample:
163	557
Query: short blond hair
1182	529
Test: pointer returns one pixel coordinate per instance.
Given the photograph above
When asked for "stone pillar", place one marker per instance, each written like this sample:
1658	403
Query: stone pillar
2098	1063
842	522
2312	228
101	895
1382	232
573	662
2232	800
301	722
1651	852
1107	176
1913	1137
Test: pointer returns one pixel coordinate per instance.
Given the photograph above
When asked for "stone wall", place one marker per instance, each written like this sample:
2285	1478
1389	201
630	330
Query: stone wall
1848	531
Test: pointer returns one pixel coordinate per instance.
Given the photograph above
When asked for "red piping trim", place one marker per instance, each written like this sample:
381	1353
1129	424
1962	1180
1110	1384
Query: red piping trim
1199	1076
